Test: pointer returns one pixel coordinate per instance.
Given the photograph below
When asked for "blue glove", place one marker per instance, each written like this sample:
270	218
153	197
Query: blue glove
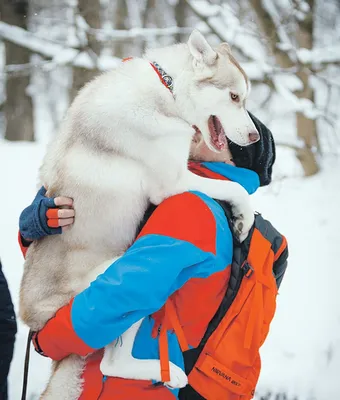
33	220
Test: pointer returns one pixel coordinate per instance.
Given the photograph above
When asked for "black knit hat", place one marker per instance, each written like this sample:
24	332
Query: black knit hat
259	156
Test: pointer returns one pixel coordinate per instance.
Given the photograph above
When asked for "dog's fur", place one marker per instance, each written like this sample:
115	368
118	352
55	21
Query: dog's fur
125	141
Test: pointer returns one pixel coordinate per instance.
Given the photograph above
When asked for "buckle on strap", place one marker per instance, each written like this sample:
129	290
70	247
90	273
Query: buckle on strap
248	269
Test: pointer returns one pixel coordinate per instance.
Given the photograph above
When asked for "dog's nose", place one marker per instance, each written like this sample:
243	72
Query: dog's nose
254	137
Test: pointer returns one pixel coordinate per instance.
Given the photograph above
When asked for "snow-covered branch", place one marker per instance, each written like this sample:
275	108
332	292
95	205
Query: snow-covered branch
268	27
284	43
19	70
58	53
133	33
29	40
109	34
317	56
217	29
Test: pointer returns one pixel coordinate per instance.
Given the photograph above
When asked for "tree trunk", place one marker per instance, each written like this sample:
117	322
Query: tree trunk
306	128
120	23
18	107
180	15
90	11
269	29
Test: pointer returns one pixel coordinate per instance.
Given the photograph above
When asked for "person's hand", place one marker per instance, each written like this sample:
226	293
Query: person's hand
62	216
46	216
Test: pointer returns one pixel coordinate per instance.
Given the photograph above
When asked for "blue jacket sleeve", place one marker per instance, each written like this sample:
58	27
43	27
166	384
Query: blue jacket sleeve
174	246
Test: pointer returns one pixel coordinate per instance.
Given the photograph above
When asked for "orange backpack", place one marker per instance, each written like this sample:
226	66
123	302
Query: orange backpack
226	365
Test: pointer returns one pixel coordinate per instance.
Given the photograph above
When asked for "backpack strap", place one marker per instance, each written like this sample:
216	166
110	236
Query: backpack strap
171	321
256	259
281	249
172	316
164	354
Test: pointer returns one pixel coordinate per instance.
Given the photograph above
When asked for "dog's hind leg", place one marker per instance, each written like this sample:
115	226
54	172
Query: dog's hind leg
118	362
65	382
35	315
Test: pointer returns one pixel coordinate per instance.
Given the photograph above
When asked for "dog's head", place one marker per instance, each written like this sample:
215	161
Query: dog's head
218	92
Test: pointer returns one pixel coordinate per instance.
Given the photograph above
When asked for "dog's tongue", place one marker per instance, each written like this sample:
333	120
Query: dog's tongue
218	137
222	139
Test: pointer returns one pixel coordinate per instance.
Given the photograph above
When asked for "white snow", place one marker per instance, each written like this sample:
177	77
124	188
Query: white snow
19	165
60	54
290	81
205	9
302	353
271	9
304	6
103	34
35	43
305	106
317	56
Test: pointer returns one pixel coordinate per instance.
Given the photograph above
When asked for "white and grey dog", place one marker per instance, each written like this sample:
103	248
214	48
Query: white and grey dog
124	143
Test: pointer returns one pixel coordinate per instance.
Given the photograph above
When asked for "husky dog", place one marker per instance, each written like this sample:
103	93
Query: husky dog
125	142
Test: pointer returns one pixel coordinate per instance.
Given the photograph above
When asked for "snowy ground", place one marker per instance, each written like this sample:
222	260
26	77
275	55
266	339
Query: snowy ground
302	354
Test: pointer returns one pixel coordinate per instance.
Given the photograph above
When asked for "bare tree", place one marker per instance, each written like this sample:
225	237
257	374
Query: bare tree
306	128
181	9
90	11
18	105
119	22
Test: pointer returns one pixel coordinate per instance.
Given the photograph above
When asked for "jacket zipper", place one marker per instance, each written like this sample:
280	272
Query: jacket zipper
104	379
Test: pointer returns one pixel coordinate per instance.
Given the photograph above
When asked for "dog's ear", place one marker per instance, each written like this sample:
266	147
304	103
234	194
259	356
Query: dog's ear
224	48
201	50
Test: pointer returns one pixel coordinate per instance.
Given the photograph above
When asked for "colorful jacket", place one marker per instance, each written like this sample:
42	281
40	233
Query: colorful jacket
185	250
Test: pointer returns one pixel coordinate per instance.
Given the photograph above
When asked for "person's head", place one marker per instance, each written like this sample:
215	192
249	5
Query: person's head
258	157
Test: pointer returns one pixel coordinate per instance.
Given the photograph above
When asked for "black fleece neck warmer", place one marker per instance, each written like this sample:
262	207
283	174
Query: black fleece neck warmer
258	157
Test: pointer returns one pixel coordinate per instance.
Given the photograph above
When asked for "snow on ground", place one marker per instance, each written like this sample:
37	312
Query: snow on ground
18	171
302	354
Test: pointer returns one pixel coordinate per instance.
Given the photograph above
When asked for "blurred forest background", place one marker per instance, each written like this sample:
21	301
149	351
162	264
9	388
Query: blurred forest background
291	51
289	48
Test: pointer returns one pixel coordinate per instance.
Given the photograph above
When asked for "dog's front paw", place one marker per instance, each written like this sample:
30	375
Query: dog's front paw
157	193
157	198
243	220
178	378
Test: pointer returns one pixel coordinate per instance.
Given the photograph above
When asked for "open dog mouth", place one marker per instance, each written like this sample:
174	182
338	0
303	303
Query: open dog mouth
218	138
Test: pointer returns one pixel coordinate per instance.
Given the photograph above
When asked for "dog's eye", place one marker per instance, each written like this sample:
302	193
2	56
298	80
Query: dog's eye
235	97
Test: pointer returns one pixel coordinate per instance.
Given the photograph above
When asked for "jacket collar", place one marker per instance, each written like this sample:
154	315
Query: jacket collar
219	170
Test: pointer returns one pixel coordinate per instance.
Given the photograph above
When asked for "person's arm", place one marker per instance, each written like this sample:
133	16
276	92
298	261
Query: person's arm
23	244
45	216
185	237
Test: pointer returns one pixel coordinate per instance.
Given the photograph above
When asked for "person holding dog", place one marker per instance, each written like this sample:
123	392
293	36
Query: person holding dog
189	236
